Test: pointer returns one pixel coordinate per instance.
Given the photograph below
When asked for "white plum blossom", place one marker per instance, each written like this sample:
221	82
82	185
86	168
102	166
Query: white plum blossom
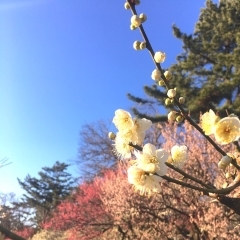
123	120
143	182
130	131
122	147
208	122
227	130
179	155
153	160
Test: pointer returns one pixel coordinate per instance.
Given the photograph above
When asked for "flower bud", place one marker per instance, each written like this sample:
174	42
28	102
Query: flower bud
171	93
181	100
143	17
172	116
221	165
111	135
136	45
228	175
226	160
179	118
156	75
142	45
137	2
159	57
168	75
168	101
133	27
225	185
161	83
126	5
135	20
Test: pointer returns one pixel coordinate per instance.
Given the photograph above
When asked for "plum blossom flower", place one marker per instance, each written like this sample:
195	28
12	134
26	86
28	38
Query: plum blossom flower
143	182
152	160
227	130
179	155
123	120
122	147
208	121
130	131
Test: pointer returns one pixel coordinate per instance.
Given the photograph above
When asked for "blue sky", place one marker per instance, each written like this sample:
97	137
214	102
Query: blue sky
67	63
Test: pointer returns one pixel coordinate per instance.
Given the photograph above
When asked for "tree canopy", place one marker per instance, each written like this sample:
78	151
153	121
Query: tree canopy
45	193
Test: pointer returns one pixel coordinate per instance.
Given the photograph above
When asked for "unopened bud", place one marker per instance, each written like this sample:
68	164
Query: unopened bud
143	17
135	20
171	93
221	165
137	2
126	5
168	75
181	100
179	118
159	57
172	116
136	45
225	185
228	175
168	101
111	135
161	83
156	75
133	27
142	45
226	160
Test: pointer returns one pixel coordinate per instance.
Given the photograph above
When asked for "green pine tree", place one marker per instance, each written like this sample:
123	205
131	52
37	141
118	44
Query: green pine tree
207	73
43	194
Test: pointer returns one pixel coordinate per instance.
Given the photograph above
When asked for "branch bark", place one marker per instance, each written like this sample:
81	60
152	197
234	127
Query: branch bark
10	234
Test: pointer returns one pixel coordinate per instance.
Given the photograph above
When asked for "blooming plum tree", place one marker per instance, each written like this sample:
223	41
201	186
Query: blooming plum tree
148	165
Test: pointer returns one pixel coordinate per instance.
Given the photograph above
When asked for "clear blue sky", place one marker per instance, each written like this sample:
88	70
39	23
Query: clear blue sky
67	63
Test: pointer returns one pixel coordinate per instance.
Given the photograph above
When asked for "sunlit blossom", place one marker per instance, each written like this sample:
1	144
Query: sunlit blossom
179	155
153	160
123	120
143	182
227	130
208	121
121	147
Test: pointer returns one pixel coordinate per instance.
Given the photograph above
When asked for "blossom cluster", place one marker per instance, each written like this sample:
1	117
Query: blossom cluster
147	165
225	130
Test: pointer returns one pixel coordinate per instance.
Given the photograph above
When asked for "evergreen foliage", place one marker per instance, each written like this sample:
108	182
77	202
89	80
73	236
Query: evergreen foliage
45	193
207	73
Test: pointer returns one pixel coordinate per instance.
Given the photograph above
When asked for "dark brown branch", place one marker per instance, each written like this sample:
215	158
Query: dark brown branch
10	234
